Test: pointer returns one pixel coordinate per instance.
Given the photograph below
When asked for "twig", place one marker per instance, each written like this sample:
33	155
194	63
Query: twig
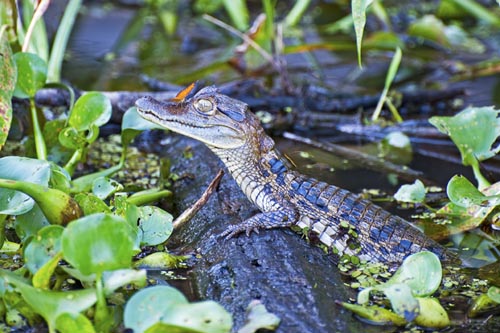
247	39
366	160
191	211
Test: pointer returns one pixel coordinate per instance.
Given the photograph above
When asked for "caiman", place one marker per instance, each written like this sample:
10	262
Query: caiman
344	222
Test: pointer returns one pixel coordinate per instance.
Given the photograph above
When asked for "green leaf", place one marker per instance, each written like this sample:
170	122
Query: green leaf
21	168
43	247
462	193
8	77
103	187
376	314
97	243
259	318
91	109
166	305
133	124
160	260
358	8
431	28
391	74
238	12
421	271
494	294
478	11
51	304
91	204
122	277
29	223
473	130
432	314
414	193
32	74
155	225
70	323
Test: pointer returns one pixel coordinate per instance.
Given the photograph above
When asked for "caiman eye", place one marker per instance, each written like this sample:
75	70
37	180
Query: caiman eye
204	105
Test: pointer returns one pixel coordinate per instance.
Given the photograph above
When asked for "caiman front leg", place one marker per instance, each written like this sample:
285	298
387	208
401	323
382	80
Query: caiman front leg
285	217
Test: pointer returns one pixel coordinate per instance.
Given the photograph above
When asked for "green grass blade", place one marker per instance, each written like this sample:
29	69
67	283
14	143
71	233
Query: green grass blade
294	16
238	11
475	9
358	8
61	40
391	73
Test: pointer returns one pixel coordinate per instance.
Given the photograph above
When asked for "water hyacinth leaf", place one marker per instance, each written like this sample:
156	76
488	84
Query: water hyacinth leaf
103	187
462	193
413	193
29	223
122	277
32	74
59	178
160	260
402	301
431	28
494	294
91	204
20	168
133	124
432	314
166	305
91	109
8	77
42	278
147	306
155	225
70	138
43	247
51	304
97	243
257	317
376	314
70	323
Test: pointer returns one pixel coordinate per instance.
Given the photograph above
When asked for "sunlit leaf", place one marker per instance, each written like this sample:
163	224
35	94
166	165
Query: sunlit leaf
259	318
8	76
160	260
391	74
32	74
166	305
155	225
20	168
238	12
376	314
51	304
494	294
91	109
43	247
103	187
358	8
98	242
122	277
133	124
70	323
414	193
462	193
432	314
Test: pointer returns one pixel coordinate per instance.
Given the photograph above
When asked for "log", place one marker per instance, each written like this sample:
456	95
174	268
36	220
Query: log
295	280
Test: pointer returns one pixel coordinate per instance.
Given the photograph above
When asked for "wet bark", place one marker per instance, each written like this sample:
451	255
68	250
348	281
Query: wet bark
295	280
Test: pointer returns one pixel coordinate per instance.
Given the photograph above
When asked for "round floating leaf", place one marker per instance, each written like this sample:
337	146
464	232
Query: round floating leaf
43	247
421	272
20	168
147	306
166	305
93	108
155	225
411	192
98	242
32	74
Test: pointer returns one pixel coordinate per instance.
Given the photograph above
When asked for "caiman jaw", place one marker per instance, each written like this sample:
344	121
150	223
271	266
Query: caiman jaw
208	125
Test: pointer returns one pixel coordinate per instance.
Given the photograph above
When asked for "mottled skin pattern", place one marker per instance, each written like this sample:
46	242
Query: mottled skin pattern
344	221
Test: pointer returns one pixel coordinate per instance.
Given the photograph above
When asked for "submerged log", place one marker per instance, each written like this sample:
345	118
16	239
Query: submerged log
295	280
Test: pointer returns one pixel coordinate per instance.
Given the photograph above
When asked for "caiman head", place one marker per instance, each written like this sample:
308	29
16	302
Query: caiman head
210	117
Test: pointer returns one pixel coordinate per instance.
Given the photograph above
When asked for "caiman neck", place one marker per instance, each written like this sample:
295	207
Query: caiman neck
251	166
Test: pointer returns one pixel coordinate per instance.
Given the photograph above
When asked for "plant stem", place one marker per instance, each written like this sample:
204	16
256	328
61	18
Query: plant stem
482	182
101	309
61	40
41	149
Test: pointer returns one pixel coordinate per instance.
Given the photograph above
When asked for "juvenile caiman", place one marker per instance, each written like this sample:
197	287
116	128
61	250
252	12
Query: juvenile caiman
344	221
